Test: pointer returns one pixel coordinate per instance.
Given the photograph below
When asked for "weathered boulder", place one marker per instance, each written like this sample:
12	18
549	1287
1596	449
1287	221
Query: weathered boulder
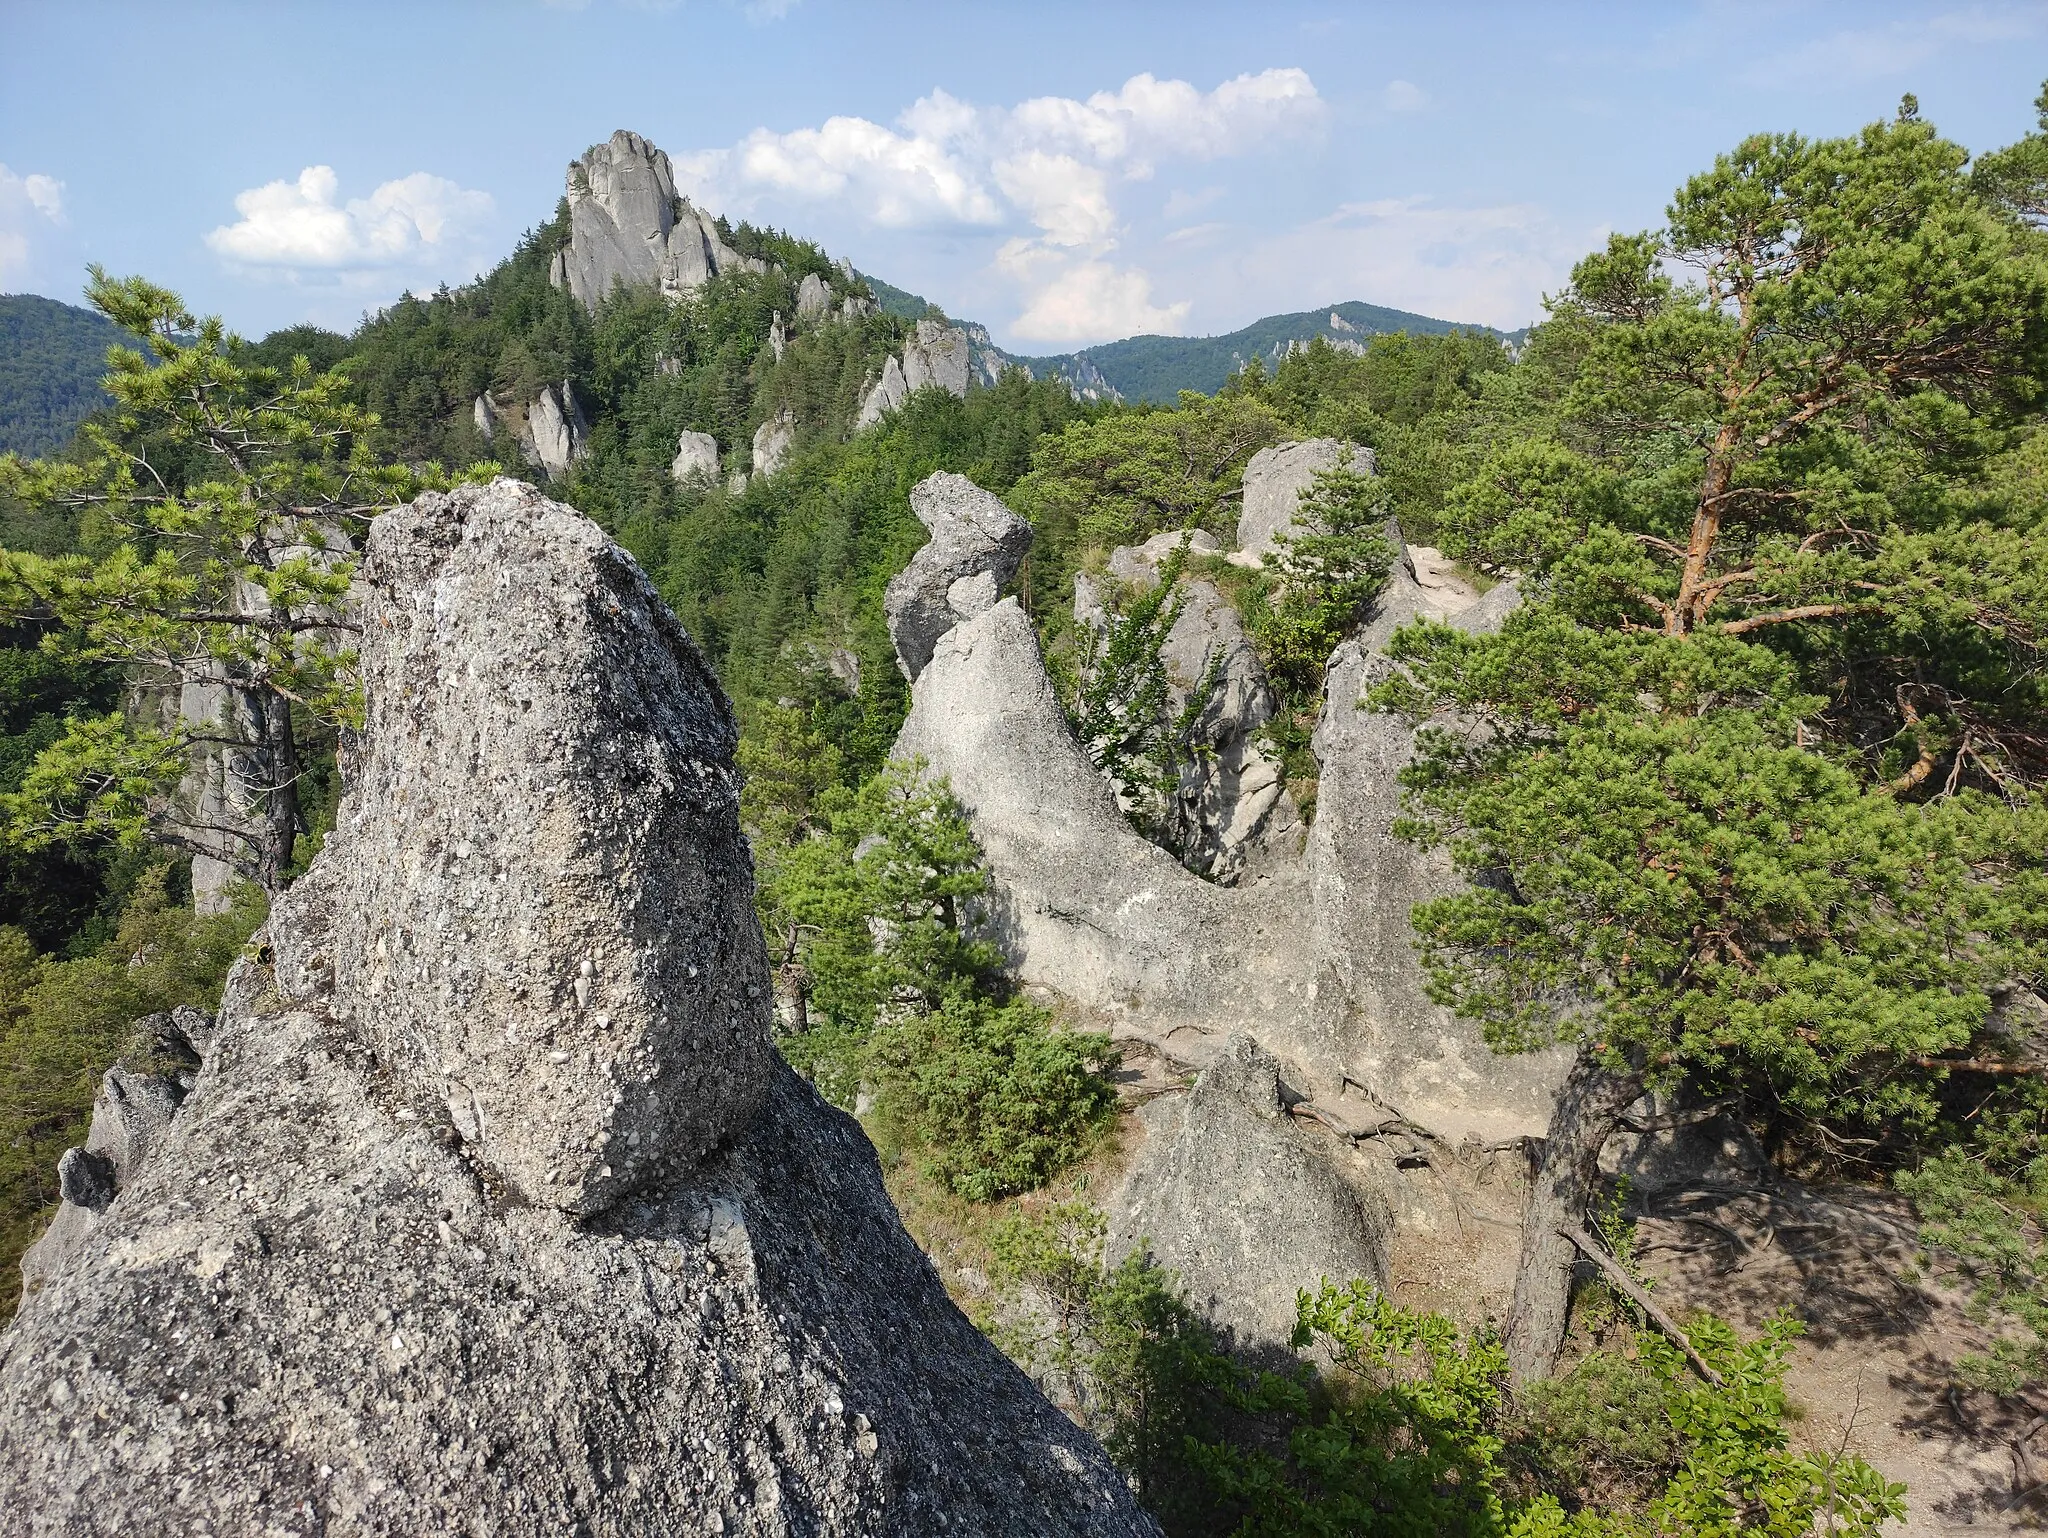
813	297
696	458
1274	480
627	224
555	430
335	1295
487	416
1372	1007
773	440
1242	1204
555	960
975	547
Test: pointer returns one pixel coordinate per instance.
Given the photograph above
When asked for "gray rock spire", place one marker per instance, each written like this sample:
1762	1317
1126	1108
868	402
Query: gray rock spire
973	535
628	224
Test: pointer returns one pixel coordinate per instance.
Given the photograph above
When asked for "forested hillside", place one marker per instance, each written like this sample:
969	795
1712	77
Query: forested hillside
1748	786
52	357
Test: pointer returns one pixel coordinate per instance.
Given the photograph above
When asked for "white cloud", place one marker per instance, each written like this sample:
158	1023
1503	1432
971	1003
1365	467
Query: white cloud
899	180
301	225
1403	96
28	206
1048	171
1087	300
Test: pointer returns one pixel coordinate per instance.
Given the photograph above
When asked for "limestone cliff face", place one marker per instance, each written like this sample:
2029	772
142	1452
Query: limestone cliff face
628	225
487	1207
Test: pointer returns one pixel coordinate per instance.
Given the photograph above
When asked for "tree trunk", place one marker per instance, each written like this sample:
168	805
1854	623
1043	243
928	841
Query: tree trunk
1588	1109
280	831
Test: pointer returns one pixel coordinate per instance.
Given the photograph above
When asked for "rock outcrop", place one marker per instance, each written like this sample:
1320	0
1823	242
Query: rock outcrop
1230	788
1243	1204
975	548
1273	483
696	458
937	354
773	440
487	416
1314	955
813	297
627	224
555	430
1372	1005
489	1207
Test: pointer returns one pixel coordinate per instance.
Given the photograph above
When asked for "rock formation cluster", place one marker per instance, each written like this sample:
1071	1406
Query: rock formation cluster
1301	952
487	1206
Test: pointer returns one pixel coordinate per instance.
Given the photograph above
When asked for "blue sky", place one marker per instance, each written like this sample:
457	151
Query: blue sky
1066	173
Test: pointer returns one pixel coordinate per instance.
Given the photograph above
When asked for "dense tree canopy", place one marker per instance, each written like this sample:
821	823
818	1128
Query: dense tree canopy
1758	754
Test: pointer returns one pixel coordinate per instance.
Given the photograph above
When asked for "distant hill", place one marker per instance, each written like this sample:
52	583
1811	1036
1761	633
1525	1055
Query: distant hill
1158	368
52	357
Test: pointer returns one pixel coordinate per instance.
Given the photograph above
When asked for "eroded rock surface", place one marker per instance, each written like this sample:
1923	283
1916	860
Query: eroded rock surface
1242	1204
975	547
1085	905
936	354
555	430
342	1293
696	458
773	440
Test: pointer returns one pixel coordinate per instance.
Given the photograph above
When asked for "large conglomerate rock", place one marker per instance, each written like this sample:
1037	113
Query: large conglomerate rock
1274	481
396	1263
1372	1005
562	963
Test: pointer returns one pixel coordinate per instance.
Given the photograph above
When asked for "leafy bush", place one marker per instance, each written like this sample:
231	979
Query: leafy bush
1122	708
997	1097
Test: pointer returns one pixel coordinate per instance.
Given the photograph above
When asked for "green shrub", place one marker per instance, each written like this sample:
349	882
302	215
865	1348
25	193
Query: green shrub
997	1098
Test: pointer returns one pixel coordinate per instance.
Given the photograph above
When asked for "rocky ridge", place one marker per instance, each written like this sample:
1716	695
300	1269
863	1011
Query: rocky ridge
488	1207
